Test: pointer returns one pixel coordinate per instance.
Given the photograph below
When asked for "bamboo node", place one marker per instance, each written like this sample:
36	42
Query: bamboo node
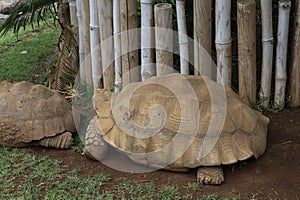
285	4
163	5
268	39
223	42
92	28
147	1
96	76
183	42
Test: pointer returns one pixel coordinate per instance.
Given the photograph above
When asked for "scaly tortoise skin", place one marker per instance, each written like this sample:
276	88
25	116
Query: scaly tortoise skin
34	115
242	136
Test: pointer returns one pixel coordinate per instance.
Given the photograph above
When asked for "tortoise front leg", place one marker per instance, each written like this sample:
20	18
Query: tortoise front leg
94	145
210	175
95	148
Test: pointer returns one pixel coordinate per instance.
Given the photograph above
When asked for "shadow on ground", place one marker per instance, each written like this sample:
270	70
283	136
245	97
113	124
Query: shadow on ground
275	175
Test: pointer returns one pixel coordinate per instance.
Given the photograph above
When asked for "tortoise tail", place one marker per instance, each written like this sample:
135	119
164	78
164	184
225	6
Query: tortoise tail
62	141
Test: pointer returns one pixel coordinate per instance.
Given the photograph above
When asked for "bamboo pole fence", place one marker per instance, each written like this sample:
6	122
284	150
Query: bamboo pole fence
202	37
113	28
267	53
106	41
182	37
281	53
130	54
86	41
223	41
95	45
148	68
246	22
295	69
117	44
163	38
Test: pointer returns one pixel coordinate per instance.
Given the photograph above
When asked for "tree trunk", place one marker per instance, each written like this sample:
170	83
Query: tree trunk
182	37
87	40
163	38
246	20
107	44
295	69
74	26
130	56
95	45
202	37
223	42
81	42
281	53
73	17
147	40
267	52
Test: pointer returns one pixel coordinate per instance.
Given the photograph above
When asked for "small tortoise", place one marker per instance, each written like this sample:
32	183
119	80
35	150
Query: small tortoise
34	115
160	123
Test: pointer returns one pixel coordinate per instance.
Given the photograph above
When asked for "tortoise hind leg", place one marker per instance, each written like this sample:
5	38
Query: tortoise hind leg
61	141
210	175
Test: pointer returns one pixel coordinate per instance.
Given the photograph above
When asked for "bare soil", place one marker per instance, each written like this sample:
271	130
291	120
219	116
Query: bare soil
275	175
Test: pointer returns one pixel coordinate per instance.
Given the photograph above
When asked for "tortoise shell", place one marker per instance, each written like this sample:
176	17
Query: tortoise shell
31	112
179	121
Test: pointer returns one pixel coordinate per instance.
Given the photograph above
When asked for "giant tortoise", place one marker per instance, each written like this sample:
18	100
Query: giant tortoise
34	115
177	123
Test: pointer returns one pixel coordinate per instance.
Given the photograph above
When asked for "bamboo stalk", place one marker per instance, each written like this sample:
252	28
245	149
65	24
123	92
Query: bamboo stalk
163	38
117	45
81	42
133	43
130	57
267	52
147	40
281	52
125	44
106	40
95	44
246	20
202	37
223	42
86	33
295	69
183	38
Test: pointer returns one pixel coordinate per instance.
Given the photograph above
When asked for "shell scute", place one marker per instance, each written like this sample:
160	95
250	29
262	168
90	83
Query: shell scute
242	145
38	129
227	152
106	124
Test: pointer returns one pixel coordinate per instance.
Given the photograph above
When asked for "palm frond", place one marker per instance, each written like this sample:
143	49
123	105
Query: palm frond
67	66
27	14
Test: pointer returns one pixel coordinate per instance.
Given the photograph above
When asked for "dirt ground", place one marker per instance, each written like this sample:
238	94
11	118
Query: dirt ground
275	175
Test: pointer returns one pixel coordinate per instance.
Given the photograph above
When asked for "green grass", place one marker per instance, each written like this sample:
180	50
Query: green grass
29	54
24	175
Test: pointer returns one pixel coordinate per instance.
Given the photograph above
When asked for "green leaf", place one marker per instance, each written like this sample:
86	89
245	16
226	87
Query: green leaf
27	14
